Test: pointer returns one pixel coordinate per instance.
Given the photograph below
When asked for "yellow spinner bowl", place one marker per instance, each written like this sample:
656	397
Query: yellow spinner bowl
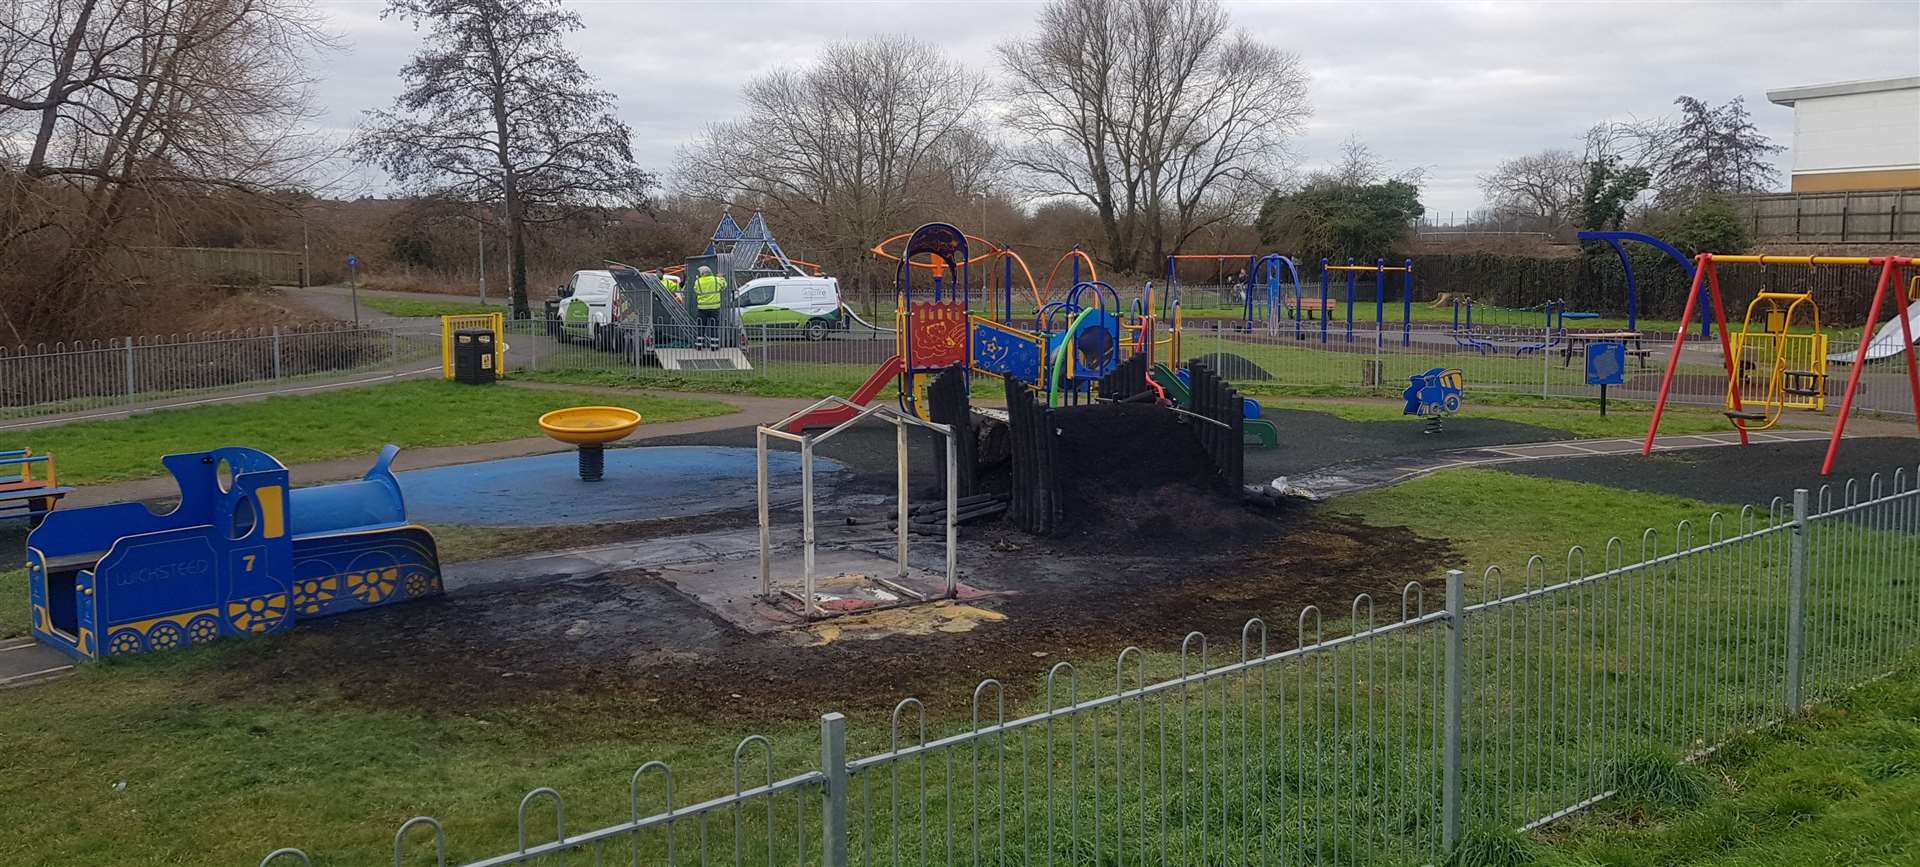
590	428
589	425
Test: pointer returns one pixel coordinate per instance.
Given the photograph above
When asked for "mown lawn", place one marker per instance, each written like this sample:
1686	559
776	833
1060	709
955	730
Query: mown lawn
331	424
425	307
207	769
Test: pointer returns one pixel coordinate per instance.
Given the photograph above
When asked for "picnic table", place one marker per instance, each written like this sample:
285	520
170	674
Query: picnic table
1577	340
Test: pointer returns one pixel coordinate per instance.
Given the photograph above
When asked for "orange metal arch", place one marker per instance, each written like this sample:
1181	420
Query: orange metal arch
1093	273
880	250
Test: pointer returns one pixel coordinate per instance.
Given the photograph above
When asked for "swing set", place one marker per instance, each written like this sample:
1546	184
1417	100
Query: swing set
1782	363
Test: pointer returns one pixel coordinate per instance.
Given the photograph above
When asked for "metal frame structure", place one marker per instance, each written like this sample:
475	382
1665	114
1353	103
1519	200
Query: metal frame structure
1380	268
809	605
1613	240
1705	290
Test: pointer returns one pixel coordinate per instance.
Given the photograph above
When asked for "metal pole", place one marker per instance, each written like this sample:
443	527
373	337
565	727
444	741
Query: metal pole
900	459
276	352
766	542
1797	601
833	789
953	507
1456	663
808	608
1546	368
480	236
306	253
130	385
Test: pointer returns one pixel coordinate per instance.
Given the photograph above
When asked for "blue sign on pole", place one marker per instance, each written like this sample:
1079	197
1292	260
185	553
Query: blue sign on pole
353	261
1606	362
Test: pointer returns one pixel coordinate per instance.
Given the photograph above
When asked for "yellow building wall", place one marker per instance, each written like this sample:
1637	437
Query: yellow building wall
1874	179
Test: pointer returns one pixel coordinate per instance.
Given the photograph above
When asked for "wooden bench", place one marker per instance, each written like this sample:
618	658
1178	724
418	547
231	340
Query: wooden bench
1314	308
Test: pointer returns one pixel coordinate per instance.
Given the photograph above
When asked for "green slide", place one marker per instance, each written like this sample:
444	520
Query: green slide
1258	428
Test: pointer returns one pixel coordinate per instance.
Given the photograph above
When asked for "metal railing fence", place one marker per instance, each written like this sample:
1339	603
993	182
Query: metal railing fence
1377	734
72	380
49	384
1517	361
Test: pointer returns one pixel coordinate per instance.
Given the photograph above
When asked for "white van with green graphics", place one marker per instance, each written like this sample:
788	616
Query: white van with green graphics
811	304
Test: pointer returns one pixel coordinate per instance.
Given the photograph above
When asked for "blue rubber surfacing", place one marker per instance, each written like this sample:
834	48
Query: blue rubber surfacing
642	483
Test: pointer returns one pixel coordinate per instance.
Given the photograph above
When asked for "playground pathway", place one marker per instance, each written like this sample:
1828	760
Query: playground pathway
1379	473
749	410
24	662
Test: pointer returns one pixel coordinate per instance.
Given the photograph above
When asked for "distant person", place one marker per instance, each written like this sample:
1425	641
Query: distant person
707	289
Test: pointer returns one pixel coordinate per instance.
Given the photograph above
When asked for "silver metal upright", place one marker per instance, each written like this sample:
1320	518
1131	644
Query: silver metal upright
900	458
131	391
834	784
276	352
953	508
811	606
766	529
1450	806
1797	602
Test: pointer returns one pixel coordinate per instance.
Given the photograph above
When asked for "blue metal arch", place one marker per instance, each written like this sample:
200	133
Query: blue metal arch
1265	270
1613	239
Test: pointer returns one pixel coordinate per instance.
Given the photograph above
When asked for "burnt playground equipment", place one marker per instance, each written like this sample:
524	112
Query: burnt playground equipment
808	597
1040	504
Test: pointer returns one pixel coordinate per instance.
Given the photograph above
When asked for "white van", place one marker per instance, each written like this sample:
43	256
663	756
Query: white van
811	304
586	305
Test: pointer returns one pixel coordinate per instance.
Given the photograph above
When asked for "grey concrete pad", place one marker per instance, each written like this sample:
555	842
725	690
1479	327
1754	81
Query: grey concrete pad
24	662
847	581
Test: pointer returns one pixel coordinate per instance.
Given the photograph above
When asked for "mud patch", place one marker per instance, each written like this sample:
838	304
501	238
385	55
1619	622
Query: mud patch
943	616
632	637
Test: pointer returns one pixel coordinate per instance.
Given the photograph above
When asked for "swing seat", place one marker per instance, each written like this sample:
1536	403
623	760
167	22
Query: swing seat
1745	415
1801	383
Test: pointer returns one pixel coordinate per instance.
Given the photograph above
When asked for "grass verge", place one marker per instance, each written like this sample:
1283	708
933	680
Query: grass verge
1577	417
332	424
423	307
1840	785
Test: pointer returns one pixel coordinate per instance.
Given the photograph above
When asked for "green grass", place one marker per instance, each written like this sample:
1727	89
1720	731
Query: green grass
217	771
1579	418
13	603
1840	786
795	380
1493	517
332	424
425	307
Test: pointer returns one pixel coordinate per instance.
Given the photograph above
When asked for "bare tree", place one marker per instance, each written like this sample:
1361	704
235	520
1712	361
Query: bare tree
112	110
1711	151
1145	109
845	151
1543	188
498	111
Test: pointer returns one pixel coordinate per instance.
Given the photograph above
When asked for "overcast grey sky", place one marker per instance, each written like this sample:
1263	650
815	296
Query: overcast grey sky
1453	87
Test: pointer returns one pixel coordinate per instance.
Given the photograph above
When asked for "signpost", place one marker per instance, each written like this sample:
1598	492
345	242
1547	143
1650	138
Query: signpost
353	284
1606	365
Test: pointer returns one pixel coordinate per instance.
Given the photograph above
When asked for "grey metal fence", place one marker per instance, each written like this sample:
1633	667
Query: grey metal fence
67	381
1519	360
1376	734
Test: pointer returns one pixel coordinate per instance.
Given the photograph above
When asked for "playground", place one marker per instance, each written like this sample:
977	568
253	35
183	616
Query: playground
614	575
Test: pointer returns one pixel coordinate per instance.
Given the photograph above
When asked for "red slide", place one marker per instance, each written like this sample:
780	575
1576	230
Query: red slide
832	415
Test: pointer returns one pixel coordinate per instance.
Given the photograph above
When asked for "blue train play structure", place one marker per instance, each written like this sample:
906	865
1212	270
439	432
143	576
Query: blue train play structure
241	554
1434	395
